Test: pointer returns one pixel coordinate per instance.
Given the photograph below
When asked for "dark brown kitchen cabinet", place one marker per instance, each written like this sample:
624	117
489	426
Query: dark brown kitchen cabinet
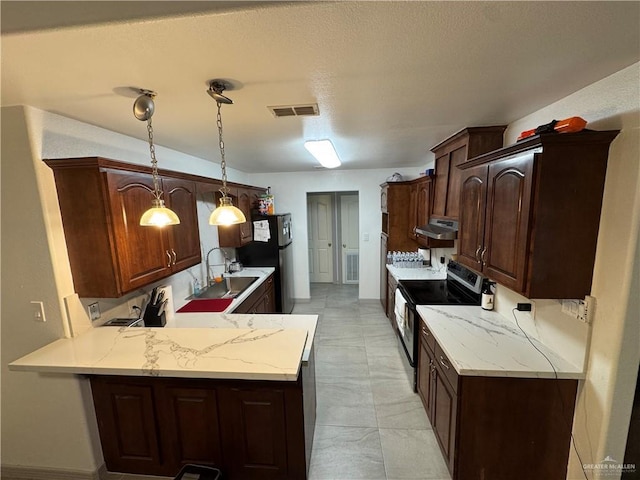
128	425
530	213
420	202
426	372
489	427
101	202
261	300
238	235
247	429
258	439
452	152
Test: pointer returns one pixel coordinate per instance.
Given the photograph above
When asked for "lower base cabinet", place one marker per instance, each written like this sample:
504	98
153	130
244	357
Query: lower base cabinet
497	428
247	429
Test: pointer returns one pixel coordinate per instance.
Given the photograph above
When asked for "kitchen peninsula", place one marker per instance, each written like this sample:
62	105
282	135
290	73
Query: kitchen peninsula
239	398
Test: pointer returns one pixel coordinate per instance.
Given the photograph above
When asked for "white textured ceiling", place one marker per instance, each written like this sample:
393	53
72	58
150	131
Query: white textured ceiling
391	79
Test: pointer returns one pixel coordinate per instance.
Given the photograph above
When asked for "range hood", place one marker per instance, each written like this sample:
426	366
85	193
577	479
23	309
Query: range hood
439	229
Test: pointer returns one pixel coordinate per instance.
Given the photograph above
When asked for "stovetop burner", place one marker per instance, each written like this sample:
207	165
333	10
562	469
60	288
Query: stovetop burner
462	287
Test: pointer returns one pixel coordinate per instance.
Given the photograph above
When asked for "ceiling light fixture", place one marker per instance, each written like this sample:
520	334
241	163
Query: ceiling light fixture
324	152
158	215
225	214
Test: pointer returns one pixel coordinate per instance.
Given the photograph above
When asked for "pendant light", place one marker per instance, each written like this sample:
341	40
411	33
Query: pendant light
158	215
225	214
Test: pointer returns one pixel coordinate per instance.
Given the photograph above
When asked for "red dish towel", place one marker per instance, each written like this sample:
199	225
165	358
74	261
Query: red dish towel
206	305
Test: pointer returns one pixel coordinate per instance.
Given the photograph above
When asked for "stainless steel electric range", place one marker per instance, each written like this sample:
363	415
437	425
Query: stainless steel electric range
461	287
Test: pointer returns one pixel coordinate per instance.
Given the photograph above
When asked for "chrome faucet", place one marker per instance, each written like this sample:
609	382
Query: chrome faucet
226	264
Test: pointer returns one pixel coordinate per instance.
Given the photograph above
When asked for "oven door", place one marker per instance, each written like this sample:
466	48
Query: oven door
405	320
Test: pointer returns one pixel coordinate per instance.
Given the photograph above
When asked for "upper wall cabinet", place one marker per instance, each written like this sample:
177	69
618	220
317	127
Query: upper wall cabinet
101	202
420	201
530	212
451	153
246	198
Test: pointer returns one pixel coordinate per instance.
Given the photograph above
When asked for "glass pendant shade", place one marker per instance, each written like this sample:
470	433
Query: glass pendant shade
158	215
226	214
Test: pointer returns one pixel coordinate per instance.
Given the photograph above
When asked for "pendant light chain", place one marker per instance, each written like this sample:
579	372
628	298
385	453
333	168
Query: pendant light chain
223	164
154	163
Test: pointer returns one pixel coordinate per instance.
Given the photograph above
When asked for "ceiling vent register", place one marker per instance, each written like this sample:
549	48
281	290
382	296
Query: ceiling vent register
308	110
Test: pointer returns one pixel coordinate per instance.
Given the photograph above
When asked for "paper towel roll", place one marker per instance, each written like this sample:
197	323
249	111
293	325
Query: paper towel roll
425	253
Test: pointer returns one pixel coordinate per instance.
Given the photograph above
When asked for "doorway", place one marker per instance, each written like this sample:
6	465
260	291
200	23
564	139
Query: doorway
333	221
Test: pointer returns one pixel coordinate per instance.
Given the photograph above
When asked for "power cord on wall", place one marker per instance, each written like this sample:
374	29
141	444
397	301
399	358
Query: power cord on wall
555	374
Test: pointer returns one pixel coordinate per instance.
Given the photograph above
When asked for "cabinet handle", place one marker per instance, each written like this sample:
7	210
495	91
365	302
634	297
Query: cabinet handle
443	363
484	250
425	331
168	255
478	253
175	257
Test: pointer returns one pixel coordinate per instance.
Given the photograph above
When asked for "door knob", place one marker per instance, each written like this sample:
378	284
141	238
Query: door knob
329	244
344	245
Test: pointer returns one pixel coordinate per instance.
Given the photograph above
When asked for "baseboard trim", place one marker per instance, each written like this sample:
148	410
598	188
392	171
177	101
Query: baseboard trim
16	472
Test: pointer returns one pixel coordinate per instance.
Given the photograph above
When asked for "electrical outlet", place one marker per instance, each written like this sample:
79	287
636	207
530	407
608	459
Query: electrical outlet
579	309
94	311
37	309
133	305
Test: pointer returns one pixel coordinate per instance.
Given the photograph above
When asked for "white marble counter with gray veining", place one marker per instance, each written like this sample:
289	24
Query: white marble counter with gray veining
238	353
249	321
484	343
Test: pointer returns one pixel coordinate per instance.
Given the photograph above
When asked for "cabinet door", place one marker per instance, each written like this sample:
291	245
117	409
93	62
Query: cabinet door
184	239
190	426
270	296
413	211
254	427
244	204
473	193
142	252
456	157
441	185
127	423
444	416
425	383
384	191
506	237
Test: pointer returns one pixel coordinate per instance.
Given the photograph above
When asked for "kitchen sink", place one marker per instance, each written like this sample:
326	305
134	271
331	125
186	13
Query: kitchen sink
230	287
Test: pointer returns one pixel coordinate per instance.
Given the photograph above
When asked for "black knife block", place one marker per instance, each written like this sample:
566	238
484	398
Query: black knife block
153	317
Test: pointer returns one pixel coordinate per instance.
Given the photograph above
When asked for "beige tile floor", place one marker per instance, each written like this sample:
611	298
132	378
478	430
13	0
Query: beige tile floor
370	425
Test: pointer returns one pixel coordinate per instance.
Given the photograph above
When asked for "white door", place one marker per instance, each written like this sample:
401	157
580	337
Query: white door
319	221
350	238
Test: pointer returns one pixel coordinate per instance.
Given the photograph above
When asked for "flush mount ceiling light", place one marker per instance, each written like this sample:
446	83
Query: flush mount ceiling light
324	152
225	214
158	215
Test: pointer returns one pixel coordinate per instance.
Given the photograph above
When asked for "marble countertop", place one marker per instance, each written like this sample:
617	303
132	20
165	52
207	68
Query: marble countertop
425	273
238	353
249	321
484	343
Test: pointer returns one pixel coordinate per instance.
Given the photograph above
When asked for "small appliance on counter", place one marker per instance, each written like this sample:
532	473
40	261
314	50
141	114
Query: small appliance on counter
121	322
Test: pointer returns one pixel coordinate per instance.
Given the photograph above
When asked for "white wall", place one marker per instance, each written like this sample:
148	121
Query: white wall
604	403
290	192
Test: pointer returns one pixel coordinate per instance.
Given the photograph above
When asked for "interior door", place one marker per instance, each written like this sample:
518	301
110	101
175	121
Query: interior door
320	233
349	229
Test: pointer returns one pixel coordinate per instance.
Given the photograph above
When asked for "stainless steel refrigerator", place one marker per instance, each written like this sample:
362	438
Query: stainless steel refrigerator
271	247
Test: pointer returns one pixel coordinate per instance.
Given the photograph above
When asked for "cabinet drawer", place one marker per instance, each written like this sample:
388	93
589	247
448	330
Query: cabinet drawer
426	334
445	366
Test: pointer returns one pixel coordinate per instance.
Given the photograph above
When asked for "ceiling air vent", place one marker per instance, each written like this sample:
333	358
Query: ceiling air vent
294	110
